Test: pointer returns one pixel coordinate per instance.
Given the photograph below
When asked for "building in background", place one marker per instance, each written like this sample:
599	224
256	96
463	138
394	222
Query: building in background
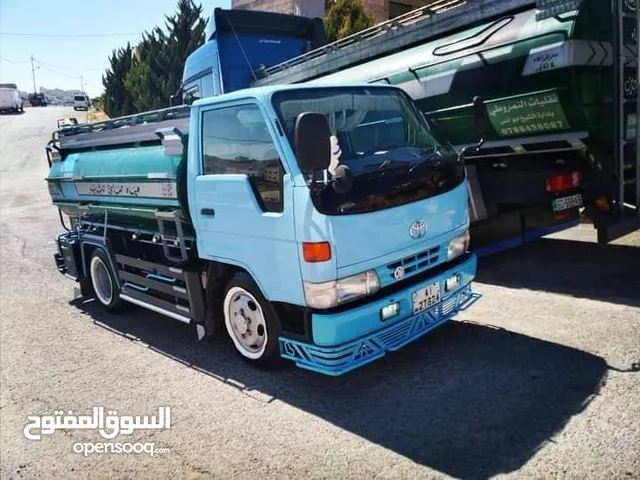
302	8
387	9
381	9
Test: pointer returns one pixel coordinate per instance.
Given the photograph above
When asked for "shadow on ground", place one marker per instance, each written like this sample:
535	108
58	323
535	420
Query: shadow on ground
467	400
580	269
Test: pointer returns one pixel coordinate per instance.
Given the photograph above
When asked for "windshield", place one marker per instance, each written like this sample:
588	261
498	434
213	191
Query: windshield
79	99
384	140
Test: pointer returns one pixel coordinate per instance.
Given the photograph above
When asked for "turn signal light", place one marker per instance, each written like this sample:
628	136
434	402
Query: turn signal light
314	252
566	181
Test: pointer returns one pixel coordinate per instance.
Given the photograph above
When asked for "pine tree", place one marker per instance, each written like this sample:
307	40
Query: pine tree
346	17
117	99
156	72
185	34
147	90
147	81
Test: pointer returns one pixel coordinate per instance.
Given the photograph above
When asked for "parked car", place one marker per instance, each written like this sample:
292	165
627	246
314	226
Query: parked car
81	102
37	100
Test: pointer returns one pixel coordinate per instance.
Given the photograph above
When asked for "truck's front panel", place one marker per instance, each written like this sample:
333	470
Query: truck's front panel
386	261
358	334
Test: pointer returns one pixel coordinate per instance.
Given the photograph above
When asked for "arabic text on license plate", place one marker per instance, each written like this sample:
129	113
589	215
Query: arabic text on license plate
426	297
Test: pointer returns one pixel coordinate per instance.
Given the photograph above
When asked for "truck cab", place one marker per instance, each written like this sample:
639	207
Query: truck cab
323	225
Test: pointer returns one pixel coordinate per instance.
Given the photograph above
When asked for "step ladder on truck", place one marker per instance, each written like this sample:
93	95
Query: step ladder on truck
578	153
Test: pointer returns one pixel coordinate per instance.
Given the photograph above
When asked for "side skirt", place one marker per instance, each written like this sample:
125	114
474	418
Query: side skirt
170	291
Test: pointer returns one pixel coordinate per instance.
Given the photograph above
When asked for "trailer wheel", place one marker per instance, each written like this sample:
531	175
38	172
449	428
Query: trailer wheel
251	322
104	283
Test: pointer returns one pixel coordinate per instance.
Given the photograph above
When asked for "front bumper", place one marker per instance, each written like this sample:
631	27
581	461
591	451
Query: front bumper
348	340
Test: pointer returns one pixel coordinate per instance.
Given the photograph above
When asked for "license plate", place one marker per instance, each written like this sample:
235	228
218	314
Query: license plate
565	203
426	297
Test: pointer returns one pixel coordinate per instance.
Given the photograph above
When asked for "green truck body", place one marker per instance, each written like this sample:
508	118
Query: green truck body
546	70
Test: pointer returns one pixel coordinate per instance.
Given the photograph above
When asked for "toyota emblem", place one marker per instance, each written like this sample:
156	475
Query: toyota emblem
418	229
398	273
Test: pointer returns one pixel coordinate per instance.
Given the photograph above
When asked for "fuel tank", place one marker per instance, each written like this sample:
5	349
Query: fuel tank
129	169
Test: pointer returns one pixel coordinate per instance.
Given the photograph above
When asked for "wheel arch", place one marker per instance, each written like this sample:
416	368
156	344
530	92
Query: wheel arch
218	276
87	249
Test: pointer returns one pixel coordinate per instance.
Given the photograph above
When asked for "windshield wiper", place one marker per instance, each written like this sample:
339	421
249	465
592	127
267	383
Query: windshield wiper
383	148
425	160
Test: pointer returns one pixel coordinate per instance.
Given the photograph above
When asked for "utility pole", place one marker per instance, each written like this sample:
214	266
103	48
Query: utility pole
81	84
33	73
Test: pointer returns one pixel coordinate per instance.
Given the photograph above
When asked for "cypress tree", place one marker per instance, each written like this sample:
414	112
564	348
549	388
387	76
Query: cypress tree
117	98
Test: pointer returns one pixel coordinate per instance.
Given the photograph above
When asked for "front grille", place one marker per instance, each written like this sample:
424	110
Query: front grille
416	263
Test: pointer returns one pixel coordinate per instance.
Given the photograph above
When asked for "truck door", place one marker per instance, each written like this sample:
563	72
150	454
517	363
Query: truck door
241	200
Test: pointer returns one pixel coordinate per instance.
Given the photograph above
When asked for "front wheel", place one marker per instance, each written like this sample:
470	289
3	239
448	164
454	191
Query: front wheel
251	322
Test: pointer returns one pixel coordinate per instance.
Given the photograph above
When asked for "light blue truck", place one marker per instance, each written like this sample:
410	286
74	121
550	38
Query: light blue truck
326	225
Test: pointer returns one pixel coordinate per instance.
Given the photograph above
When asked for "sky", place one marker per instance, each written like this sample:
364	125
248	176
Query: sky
70	40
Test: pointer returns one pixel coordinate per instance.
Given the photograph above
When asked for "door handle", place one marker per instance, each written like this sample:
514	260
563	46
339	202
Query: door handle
208	211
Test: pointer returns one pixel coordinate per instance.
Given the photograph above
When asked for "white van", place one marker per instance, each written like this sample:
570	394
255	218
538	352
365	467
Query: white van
10	100
81	102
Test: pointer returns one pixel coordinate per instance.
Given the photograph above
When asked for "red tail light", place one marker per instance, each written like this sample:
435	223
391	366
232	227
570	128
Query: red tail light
566	181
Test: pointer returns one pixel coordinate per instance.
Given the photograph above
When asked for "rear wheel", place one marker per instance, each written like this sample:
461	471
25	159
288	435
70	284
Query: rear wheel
104	283
251	321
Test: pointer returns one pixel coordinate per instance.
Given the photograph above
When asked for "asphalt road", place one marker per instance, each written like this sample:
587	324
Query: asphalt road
536	380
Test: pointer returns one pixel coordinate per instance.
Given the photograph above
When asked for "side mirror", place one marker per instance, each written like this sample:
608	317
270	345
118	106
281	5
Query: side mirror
312	142
479	117
188	98
176	99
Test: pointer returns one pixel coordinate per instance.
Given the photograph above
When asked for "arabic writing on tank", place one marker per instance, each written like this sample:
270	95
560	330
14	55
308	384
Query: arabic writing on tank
127	189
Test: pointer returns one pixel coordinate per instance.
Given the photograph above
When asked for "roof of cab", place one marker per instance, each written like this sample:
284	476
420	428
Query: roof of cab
266	91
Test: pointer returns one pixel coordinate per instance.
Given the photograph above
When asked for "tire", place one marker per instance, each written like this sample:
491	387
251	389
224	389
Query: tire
244	309
105	286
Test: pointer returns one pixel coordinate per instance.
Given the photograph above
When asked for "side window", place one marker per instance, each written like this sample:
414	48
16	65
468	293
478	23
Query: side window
208	89
236	141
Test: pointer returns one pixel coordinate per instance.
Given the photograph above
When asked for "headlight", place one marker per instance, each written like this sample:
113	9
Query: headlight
458	246
337	292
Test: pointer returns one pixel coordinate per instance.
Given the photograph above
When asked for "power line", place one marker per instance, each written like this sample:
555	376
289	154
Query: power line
57	73
65	35
14	61
64	67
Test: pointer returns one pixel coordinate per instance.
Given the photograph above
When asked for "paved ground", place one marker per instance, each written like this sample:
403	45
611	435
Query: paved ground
536	380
